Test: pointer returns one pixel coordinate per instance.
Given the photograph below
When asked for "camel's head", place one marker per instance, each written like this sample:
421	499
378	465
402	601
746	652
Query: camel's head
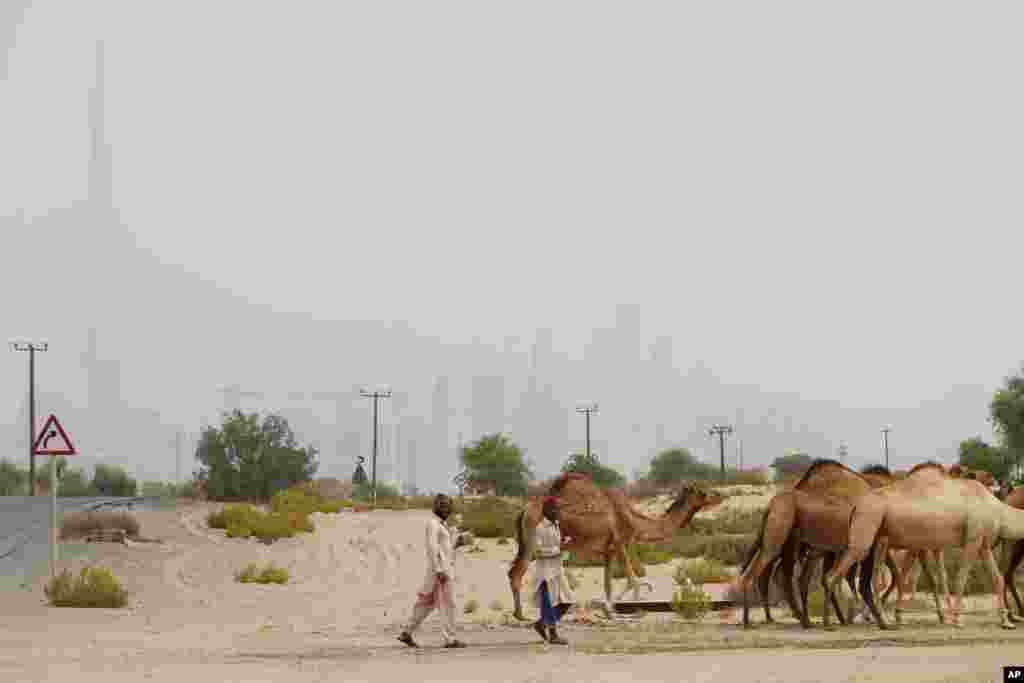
694	498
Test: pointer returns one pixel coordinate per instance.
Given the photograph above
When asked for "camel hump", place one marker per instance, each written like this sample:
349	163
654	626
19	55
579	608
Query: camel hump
565	479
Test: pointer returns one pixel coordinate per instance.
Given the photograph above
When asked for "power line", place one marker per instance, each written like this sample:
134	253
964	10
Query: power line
376	396
31	347
588	410
721	431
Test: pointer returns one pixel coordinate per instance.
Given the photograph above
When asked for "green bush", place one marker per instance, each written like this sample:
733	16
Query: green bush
94	587
729	550
730	523
269	574
264	526
690	602
701	572
489	517
239	531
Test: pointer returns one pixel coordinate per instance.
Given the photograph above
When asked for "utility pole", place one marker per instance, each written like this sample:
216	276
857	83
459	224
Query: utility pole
885	442
31	347
721	431
376	396
587	410
842	452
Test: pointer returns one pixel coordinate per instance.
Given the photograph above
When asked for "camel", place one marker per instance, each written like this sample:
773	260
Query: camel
932	511
1015	499
817	527
601	522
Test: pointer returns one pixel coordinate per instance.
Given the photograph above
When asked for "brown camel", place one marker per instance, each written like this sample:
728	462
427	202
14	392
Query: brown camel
1015	499
600	523
931	512
807	522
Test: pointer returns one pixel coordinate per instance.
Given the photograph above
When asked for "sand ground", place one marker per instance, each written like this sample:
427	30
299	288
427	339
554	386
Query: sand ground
352	585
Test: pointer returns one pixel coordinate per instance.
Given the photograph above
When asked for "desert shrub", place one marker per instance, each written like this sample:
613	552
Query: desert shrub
702	571
269	574
94	587
729	550
496	605
503	540
488	517
239	531
736	521
470	606
690	602
419	502
264	526
80	524
364	492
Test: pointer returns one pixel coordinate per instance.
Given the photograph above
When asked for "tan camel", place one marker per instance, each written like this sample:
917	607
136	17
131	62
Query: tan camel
813	516
600	523
932	511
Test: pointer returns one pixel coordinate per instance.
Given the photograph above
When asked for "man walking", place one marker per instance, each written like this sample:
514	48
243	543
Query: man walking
437	590
551	592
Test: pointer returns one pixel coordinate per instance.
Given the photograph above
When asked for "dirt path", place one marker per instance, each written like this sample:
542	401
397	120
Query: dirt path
351	588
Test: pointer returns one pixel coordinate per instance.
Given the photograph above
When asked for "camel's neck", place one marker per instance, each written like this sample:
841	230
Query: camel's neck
1012	522
648	530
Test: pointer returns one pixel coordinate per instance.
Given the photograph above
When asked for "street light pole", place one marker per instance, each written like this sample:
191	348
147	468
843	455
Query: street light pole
588	410
376	396
885	441
31	347
721	431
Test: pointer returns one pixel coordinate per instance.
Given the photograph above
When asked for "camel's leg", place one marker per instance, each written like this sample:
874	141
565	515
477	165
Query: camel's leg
789	557
631	577
998	588
851	603
867	571
928	557
806	571
764	583
609	607
968	555
1016	556
778	523
943	585
830	596
525	526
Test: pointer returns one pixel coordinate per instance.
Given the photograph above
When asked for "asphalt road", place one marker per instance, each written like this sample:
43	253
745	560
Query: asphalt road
25	527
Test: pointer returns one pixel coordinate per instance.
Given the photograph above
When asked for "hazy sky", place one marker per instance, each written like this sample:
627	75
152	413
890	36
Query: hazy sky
813	198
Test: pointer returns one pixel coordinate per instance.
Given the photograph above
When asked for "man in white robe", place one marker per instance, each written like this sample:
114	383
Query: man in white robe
551	591
437	590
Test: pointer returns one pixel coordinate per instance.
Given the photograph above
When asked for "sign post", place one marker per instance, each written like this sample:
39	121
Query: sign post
53	430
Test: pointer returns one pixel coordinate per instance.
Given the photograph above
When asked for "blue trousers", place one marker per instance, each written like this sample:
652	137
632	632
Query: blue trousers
550	615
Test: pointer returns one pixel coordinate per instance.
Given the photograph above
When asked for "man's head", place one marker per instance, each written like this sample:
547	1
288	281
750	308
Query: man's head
551	509
442	506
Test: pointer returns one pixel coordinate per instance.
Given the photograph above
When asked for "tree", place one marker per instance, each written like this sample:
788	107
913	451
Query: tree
110	480
496	460
674	465
250	459
975	454
1007	416
793	463
603	476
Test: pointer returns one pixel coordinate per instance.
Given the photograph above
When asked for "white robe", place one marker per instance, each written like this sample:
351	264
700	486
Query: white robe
548	566
440	553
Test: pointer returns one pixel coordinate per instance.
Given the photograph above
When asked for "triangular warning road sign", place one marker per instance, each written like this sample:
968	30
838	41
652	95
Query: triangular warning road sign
53	440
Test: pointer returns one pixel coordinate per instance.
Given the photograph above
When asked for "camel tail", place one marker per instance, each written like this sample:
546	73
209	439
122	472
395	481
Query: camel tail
757	545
